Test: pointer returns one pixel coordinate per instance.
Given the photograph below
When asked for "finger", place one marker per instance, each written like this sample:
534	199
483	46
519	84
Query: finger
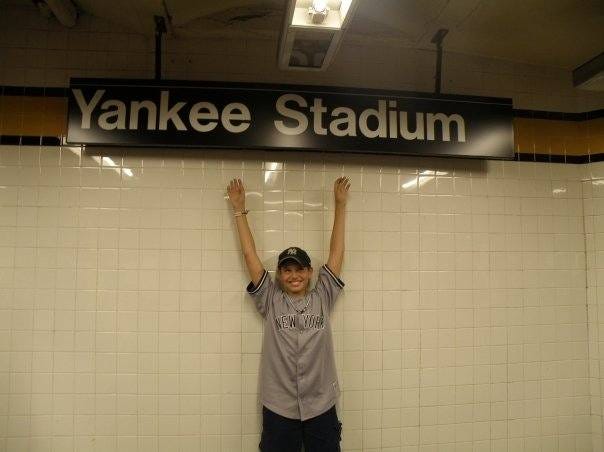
347	186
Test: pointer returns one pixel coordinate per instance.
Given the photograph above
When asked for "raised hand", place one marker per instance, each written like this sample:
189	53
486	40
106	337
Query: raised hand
236	193
340	189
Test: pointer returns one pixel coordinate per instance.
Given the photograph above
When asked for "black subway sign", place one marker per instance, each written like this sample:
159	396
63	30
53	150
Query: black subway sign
256	116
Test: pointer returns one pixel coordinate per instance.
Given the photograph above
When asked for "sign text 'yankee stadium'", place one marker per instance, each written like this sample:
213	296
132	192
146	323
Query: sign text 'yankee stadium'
302	117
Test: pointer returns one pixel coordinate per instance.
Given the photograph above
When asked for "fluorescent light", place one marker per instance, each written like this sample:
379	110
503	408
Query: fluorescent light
312	32
319	5
320	14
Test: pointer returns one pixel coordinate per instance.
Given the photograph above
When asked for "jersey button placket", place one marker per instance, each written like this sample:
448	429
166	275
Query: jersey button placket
299	369
300	390
299	372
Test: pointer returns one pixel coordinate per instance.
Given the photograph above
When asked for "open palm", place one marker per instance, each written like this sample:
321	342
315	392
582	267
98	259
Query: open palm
340	189
236	193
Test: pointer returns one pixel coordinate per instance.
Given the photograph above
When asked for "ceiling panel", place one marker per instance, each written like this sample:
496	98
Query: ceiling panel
557	33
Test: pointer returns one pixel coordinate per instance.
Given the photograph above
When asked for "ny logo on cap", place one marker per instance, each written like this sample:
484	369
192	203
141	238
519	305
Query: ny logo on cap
292	251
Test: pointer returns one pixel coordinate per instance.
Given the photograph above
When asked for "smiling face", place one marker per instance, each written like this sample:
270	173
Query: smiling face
294	278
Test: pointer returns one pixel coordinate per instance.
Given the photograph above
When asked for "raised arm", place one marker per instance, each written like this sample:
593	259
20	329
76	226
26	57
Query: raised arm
336	246
236	193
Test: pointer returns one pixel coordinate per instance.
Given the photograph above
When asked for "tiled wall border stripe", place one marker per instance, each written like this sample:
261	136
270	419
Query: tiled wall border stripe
40	91
559	116
25	140
29	140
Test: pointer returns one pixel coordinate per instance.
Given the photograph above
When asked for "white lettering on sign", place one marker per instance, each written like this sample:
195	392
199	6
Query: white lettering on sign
87	107
283	110
170	114
344	117
432	118
235	112
202	116
114	116
203	111
135	109
296	116
385	121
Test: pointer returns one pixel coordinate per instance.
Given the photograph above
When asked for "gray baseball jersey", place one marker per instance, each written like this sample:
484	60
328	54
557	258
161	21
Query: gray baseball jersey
298	371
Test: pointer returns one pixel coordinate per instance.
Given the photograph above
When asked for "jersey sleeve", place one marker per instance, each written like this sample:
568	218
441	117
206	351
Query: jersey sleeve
328	286
262	293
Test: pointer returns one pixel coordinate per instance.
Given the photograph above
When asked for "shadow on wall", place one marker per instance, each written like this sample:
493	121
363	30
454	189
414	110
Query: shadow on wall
356	161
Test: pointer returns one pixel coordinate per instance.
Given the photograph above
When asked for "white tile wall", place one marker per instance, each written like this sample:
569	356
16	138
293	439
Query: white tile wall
593	202
124	325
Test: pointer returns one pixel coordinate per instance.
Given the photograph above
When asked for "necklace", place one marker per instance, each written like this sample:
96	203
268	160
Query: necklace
291	303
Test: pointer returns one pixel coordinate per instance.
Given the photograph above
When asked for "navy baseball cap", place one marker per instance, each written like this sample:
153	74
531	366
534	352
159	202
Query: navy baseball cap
294	254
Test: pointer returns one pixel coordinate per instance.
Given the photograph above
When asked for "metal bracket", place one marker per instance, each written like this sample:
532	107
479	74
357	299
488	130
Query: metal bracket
160	29
438	40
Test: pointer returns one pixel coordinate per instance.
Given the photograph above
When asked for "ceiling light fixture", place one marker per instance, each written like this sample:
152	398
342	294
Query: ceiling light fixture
312	32
318	11
319	5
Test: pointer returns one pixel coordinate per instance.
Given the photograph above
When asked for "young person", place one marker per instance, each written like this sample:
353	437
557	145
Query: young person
299	384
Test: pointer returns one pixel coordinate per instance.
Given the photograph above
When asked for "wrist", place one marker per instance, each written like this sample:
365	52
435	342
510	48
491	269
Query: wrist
240	213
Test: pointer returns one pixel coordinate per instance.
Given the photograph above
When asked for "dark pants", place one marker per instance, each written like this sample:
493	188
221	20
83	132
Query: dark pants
318	434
